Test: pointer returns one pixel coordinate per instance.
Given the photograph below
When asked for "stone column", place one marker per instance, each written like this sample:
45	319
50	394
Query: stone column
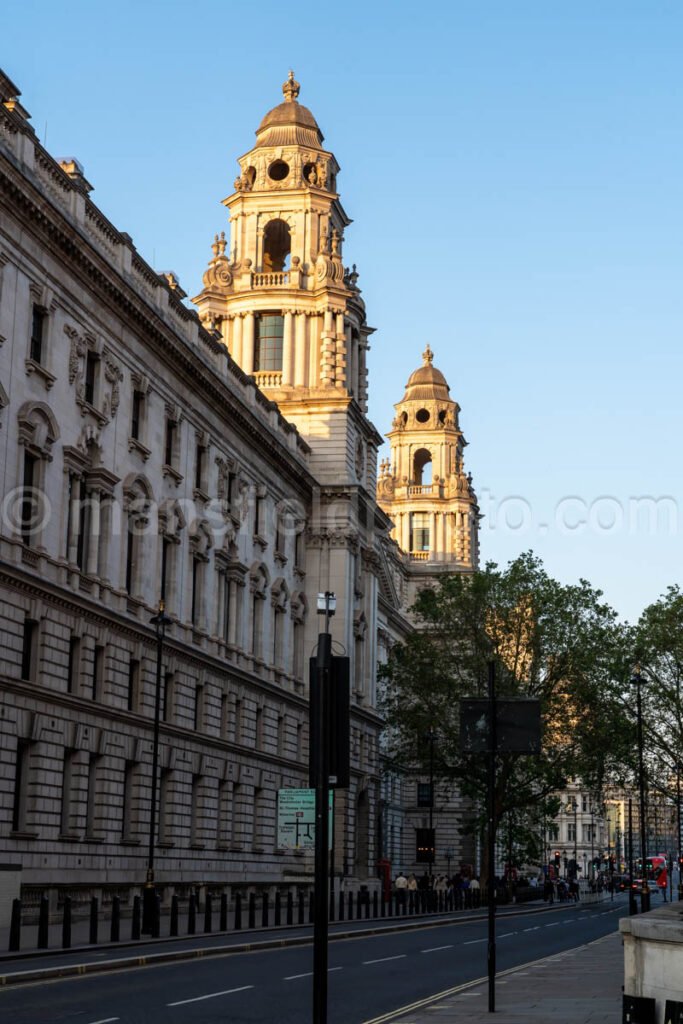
236	349
433	541
340	350
287	349
327	351
351	385
106	506
248	343
232	620
405	529
300	351
94	540
220	605
74	517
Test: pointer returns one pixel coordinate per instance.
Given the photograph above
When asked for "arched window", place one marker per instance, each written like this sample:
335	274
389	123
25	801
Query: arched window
422	467
277	245
269	333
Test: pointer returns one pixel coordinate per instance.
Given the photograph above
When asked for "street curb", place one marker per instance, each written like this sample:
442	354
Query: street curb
429	1001
152	959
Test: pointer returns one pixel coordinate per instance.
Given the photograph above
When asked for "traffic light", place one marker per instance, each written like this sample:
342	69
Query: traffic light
424	845
557	859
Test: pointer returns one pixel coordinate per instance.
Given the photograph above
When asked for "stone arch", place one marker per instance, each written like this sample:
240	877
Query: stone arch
422	467
137	485
38	428
277	246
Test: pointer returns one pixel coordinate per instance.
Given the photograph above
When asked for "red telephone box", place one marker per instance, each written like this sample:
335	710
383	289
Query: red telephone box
384	873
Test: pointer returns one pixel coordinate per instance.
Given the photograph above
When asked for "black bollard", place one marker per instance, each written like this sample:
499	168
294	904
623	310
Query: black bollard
66	924
238	911
15	927
411	902
290	908
390	902
208	913
252	910
43	923
332	904
375	904
366	901
156	916
93	921
341	906
311	907
264	910
350	906
301	907
115	933
383	906
192	915
224	912
173	930
135	919
278	909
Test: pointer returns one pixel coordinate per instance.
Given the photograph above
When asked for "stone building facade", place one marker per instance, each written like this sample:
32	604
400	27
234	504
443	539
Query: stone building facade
219	459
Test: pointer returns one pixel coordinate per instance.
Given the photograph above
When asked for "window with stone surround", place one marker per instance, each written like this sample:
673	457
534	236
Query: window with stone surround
66	824
91	802
30	649
419	531
128	823
268	342
21	781
38	334
97	670
133	693
74	666
165	806
168	703
277	241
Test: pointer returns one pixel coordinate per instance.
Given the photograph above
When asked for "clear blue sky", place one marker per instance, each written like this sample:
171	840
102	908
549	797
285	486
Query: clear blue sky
513	169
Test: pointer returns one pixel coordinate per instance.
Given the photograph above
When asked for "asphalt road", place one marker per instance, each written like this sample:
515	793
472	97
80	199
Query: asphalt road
368	976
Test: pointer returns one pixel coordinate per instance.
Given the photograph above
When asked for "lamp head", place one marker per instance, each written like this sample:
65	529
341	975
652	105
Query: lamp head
327	603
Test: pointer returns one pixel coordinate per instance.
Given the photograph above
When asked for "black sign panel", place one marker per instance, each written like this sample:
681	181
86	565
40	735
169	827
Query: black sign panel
424	845
518	725
337	733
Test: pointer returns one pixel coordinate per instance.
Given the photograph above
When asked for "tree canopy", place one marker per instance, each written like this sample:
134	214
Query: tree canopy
559	643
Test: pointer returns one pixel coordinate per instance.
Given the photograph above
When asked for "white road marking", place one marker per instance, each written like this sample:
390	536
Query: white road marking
507	935
553	925
472	942
567	920
308	974
105	1020
384	959
535	928
435	949
211	995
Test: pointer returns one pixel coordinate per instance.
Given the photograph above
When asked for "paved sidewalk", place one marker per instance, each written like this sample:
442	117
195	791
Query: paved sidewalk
578	986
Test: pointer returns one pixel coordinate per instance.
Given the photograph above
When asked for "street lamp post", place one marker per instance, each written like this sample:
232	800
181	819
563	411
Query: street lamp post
645	892
678	838
430	736
150	908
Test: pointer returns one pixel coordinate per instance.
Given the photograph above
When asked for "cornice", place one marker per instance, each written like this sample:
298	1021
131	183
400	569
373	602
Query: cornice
95	273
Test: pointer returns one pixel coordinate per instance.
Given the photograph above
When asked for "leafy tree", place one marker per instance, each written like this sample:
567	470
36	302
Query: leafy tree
558	643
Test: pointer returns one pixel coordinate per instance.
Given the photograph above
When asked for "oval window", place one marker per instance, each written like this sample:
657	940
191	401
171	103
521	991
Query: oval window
422	415
278	170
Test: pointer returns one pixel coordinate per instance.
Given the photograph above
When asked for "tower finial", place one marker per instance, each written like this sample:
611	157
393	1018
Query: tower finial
427	356
291	88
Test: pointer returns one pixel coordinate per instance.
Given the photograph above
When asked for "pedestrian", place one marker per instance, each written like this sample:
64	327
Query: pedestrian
401	886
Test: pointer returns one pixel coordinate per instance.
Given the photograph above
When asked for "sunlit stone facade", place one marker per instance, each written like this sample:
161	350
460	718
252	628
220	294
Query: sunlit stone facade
218	457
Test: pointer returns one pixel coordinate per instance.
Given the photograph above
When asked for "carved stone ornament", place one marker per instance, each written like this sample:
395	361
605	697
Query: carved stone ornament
219	273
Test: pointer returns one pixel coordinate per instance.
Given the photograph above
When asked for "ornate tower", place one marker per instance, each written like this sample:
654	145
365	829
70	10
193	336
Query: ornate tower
291	315
423	486
288	311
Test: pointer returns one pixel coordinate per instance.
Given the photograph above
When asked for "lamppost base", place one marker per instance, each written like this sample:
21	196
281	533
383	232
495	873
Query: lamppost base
644	900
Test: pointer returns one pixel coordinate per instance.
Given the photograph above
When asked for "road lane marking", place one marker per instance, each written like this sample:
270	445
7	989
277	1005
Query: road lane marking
435	949
553	925
535	928
471	942
308	974
105	1020
507	935
383	960
211	995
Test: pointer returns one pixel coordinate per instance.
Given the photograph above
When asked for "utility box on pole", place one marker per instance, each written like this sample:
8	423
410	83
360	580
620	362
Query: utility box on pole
338	732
